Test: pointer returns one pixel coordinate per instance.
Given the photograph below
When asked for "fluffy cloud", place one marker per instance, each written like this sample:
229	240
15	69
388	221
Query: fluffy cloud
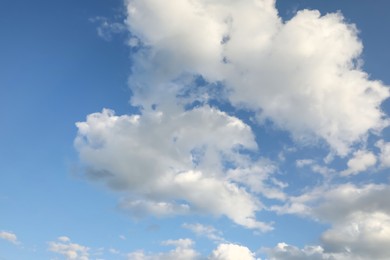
231	252
184	251
9	236
176	159
71	251
162	158
366	235
361	161
359	218
314	90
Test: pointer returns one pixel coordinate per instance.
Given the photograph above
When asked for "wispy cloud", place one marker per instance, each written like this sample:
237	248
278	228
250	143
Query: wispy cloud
9	236
207	231
71	251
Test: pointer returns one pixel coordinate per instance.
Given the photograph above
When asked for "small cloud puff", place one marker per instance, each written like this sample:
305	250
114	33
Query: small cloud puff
9	236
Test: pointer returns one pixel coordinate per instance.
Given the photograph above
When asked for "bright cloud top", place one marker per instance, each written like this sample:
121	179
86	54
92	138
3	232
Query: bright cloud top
304	74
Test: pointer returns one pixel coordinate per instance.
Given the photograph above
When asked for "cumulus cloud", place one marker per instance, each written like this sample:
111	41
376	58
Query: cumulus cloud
359	218
71	251
9	236
363	234
162	158
361	161
231	252
184	251
314	90
181	156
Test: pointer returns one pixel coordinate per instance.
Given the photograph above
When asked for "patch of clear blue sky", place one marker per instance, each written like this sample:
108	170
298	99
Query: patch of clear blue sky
55	70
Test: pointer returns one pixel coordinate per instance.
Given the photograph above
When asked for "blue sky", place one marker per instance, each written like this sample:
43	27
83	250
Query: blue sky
194	130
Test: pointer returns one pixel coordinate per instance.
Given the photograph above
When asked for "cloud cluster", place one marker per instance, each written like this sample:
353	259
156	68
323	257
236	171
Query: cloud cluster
179	155
184	251
71	251
302	74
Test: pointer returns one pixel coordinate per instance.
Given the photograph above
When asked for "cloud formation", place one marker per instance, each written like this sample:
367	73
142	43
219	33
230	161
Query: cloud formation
71	251
314	90
231	252
361	161
183	250
9	236
162	158
207	231
384	156
180	155
359	218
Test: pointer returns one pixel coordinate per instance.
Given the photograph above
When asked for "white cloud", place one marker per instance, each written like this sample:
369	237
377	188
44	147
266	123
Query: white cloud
160	158
360	162
284	251
9	236
359	218
231	252
315	167
384	156
170	160
106	28
64	239
183	250
257	178
314	90
304	162
208	231
71	251
363	234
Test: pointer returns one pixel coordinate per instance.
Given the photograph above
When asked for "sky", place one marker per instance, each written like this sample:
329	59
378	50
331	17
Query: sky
194	129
